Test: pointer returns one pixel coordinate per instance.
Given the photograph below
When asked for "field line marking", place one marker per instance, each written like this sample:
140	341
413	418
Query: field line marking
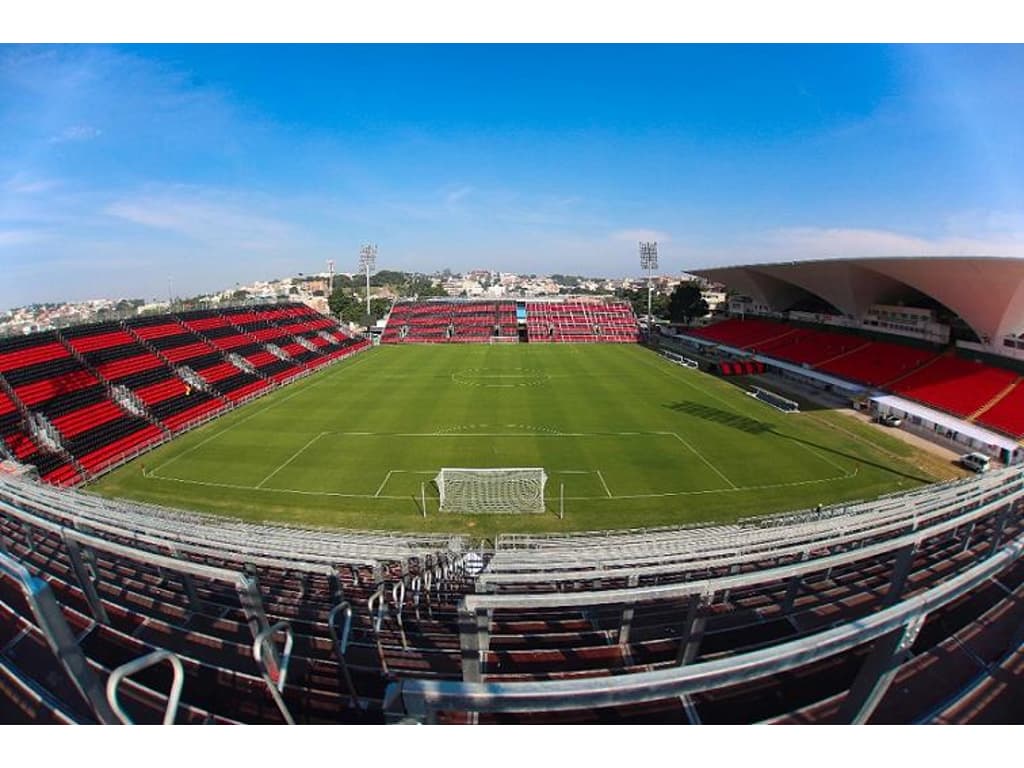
604	484
289	461
529	433
700	456
383	483
337	494
821	456
301	387
210	484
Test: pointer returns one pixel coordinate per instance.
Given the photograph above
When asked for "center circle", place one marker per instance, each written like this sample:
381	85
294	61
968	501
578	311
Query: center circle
503	379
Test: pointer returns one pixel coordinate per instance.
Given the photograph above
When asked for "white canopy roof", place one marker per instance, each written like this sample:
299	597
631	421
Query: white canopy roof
944	420
987	292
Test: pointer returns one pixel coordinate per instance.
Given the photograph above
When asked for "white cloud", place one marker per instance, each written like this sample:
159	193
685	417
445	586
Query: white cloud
806	243
204	215
75	133
14	237
454	196
811	242
26	184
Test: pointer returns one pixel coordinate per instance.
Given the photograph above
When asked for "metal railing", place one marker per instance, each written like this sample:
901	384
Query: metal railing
118	675
54	628
895	626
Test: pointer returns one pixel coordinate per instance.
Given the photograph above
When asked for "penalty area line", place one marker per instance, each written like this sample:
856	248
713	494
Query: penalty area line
336	494
289	461
294	389
700	456
383	482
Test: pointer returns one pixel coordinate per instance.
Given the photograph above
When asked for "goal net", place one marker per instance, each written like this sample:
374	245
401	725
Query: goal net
517	489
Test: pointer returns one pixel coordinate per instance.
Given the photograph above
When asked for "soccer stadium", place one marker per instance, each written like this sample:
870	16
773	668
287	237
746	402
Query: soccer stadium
525	510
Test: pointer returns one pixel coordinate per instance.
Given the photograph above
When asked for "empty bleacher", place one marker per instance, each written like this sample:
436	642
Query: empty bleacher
18	443
480	321
1007	415
968	389
776	619
449	321
954	385
69	377
580	321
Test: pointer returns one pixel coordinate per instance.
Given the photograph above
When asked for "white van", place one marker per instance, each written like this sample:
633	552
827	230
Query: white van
976	462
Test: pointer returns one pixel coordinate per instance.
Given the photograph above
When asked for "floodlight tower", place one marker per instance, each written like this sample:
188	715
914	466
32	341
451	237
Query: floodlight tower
368	261
330	276
649	261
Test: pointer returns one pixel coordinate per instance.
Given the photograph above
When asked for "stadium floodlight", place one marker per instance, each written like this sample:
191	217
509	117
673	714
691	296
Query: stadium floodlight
649	261
367	262
505	489
330	276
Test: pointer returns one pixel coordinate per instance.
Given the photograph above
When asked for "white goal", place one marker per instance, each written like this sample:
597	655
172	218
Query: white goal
508	489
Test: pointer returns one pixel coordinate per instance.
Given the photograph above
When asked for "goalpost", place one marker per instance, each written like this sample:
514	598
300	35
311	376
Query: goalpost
507	489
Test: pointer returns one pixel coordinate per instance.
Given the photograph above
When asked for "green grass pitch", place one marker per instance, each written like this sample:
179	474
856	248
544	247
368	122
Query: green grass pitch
635	441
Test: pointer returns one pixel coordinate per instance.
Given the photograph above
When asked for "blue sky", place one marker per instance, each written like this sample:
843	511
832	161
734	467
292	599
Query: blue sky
126	166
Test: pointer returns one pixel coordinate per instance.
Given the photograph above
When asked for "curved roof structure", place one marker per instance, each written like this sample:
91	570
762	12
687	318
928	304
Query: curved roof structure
986	292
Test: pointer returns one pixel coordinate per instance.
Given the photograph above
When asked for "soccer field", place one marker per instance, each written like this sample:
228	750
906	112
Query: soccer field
632	439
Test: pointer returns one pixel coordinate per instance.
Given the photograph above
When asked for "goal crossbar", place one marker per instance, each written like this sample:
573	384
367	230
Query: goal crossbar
494	490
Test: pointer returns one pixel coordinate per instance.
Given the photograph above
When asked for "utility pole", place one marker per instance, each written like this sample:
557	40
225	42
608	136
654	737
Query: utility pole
649	261
367	262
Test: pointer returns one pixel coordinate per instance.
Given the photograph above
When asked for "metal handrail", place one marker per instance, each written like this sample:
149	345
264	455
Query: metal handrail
377	621
416	588
340	642
377	598
54	627
274	667
659	591
421	699
398	598
143	662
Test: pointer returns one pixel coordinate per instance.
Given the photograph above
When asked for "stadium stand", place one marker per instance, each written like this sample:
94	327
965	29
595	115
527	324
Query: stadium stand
450	321
1007	415
104	392
969	389
955	385
902	609
469	321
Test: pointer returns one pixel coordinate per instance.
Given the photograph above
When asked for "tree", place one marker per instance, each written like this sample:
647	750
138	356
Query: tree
352	308
340	300
638	300
422	287
686	303
388	277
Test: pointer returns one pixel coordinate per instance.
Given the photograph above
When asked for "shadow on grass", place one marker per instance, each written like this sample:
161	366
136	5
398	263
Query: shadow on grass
754	427
718	416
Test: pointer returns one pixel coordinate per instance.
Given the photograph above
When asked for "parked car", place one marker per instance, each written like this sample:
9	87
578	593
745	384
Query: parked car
890	420
976	462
